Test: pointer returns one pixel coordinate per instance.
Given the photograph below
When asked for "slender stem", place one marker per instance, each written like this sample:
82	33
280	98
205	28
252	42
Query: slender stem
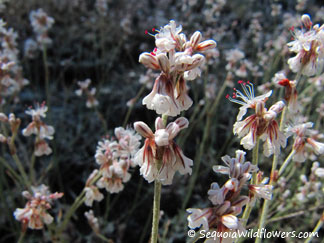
130	108
286	162
156	210
255	159
250	205
210	109
157	197
46	76
11	170
266	203
21	170
31	167
21	237
76	204
316	229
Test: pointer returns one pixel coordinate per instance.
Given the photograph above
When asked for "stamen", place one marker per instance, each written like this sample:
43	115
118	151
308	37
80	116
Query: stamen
248	95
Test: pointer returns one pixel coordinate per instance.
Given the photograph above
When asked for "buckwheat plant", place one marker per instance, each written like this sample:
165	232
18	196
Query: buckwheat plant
35	214
178	60
228	200
115	155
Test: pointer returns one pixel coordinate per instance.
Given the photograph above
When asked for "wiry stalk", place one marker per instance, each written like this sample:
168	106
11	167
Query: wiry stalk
157	196
249	206
266	203
316	229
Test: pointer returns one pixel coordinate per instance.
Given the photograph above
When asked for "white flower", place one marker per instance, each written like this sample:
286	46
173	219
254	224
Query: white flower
198	218
92	193
167	38
248	100
35	215
172	157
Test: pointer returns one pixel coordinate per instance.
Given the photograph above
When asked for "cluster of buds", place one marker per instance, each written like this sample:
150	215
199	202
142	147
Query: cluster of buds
309	46
41	24
115	156
312	187
14	124
84	88
262	124
159	146
178	61
305	142
228	200
92	220
11	80
40	129
35	214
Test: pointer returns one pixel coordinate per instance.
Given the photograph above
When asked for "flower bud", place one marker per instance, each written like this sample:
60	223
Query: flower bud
230	221
164	62
307	21
149	60
206	45
143	129
195	39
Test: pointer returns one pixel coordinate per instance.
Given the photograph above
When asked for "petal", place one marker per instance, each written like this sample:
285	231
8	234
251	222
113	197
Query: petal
143	129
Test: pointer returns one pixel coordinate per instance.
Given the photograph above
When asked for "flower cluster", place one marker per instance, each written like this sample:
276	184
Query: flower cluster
305	142
115	156
311	187
227	200
309	46
84	88
92	220
262	124
13	123
35	214
160	146
11	79
41	24
40	129
175	57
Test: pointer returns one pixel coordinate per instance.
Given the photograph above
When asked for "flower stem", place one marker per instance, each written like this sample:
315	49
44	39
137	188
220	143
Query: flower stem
210	109
156	210
21	237
249	206
316	229
76	204
130	108
46	76
157	197
266	203
286	162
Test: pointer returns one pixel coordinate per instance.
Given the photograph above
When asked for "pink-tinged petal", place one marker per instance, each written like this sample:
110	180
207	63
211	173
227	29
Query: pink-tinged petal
164	63
159	123
172	129
182	122
195	39
317	146
149	60
143	129
206	45
198	218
